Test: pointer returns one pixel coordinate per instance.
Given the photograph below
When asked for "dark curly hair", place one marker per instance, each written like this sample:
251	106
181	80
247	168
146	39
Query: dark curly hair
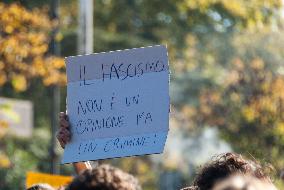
223	166
40	186
104	177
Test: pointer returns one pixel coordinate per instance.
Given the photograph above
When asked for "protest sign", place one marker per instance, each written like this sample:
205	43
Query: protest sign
117	103
53	180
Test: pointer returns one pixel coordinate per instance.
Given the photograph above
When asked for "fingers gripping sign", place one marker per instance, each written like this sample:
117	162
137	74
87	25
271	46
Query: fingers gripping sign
64	134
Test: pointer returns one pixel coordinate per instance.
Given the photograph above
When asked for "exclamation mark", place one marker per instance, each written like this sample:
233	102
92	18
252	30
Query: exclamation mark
155	138
80	148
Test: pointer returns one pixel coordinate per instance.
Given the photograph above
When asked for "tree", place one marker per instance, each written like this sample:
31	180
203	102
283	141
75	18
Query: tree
24	59
24	38
245	98
148	22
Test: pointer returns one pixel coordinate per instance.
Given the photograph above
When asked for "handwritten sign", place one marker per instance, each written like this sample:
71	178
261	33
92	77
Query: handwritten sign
53	180
118	103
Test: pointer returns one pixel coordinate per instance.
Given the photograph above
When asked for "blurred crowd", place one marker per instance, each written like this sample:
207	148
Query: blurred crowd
227	171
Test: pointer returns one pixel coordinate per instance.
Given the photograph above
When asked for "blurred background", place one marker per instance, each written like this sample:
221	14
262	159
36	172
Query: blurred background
227	80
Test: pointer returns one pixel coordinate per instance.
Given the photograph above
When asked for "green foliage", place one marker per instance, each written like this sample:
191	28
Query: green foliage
245	95
279	184
126	24
25	155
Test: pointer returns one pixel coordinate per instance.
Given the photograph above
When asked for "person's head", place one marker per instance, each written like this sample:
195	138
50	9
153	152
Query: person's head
243	182
104	177
225	165
41	186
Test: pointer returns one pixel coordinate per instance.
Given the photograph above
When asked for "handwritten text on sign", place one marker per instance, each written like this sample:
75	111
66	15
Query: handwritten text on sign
118	103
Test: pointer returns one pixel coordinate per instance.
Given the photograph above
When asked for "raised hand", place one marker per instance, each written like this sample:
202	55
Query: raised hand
64	134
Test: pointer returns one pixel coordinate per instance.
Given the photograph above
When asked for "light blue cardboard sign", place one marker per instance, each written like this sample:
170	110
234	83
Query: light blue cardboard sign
117	103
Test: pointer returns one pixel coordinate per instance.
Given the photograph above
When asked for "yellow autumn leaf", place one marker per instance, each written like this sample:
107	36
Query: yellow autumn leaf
3	78
280	128
19	82
58	37
3	124
25	35
4	161
143	168
249	113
